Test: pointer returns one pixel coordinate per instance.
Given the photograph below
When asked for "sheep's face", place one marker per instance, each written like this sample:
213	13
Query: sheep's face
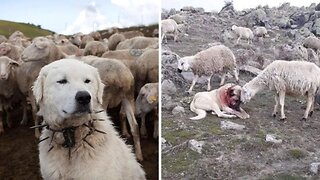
39	49
183	65
4	49
246	95
6	65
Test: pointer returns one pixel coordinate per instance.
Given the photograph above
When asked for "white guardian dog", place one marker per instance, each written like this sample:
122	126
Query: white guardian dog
78	141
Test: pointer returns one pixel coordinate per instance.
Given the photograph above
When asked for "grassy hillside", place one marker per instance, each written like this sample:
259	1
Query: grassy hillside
29	30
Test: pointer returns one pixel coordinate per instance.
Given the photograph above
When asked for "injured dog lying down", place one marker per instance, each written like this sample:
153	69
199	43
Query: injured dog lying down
78	141
224	102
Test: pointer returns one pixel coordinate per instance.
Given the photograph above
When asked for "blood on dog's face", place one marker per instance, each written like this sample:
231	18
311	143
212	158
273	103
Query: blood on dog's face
234	93
67	88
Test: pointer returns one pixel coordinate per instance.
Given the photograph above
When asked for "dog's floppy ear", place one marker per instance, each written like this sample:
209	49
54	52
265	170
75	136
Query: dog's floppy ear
100	86
37	87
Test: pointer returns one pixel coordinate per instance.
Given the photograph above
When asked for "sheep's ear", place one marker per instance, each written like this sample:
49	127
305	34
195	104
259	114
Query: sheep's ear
38	87
41	44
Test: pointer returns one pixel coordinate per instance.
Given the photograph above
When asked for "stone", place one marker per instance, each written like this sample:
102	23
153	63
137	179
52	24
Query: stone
314	167
168	87
178	110
273	138
231	125
195	145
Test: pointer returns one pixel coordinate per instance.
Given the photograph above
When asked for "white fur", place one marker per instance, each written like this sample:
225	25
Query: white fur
293	77
110	158
169	26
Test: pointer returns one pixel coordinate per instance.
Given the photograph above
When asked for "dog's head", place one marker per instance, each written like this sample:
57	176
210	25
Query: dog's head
234	94
67	89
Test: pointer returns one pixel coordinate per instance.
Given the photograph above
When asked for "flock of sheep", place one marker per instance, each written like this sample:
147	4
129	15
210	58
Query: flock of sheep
127	63
296	77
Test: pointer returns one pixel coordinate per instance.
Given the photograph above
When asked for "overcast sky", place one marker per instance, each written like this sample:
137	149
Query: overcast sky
71	16
216	5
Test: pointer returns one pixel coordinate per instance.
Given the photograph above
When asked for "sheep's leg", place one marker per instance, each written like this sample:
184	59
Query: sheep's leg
175	36
309	104
312	108
236	75
8	117
123	123
156	125
195	79
276	106
133	127
282	95
238	39
24	120
34	115
164	36
209	85
143	129
223	78
1	122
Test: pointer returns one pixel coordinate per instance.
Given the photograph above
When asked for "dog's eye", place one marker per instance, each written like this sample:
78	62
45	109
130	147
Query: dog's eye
87	81
63	81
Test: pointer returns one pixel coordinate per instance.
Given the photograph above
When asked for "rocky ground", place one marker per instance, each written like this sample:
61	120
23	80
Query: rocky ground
205	149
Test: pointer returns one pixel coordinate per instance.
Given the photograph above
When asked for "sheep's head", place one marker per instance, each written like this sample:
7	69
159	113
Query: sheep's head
4	49
39	49
246	94
184	64
6	65
233	27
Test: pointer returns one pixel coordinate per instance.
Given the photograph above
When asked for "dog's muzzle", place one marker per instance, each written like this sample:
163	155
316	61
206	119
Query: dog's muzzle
179	70
83	100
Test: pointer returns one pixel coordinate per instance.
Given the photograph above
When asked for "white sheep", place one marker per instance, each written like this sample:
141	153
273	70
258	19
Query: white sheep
169	26
216	59
313	43
114	40
243	32
9	92
95	48
3	39
11	51
139	42
147	101
260	31
41	52
292	77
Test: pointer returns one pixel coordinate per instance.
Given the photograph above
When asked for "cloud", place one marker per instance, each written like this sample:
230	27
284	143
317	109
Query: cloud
137	12
89	19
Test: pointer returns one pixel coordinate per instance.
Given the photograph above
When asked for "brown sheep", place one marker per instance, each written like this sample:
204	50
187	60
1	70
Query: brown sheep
114	40
11	51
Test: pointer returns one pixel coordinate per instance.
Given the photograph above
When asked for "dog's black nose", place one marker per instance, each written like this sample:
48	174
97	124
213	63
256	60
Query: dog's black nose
179	70
83	97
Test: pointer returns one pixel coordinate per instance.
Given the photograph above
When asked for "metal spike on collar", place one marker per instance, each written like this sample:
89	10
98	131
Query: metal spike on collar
98	119
100	131
100	111
50	148
38	126
85	140
43	139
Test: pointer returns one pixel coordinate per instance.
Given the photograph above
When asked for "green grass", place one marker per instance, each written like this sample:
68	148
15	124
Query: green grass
178	136
29	30
180	162
296	153
283	176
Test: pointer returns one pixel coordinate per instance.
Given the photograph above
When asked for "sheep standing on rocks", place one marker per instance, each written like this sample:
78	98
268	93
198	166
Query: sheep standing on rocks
243	32
11	51
260	31
147	101
216	59
292	77
95	48
313	43
8	89
169	26
114	40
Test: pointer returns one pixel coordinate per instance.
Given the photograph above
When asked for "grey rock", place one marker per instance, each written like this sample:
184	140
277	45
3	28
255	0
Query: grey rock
231	125
316	27
273	139
168	87
314	167
178	110
195	145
